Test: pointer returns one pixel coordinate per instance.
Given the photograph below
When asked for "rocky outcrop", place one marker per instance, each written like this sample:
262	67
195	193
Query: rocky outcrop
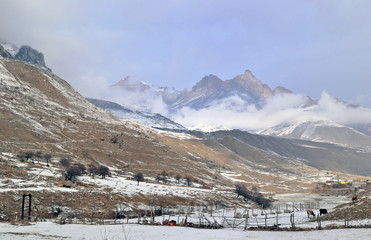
25	54
249	83
282	90
28	54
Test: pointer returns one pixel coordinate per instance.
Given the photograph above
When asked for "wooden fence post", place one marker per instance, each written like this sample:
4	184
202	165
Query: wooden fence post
234	217
265	220
277	219
292	220
163	216
318	221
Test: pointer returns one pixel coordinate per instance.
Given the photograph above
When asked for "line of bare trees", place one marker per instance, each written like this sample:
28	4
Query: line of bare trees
34	156
164	177
252	195
73	170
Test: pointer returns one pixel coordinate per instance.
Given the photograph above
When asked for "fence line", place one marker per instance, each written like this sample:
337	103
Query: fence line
235	218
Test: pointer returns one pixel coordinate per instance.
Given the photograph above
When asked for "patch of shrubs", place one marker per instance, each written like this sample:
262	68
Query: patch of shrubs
252	195
77	169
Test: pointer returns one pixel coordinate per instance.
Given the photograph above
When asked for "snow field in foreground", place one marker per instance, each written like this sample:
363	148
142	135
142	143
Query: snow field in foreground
49	230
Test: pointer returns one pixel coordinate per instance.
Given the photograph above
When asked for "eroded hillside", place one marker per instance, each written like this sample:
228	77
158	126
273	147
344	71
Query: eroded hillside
42	113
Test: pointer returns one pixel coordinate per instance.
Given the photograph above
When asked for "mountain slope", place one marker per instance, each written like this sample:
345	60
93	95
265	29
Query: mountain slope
146	118
322	131
40	112
319	155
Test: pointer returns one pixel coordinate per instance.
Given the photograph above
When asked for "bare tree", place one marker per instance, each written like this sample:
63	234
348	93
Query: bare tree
28	155
71	173
81	167
241	190
38	155
21	157
178	177
254	195
65	162
103	171
164	176
139	177
159	177
47	158
188	180
92	169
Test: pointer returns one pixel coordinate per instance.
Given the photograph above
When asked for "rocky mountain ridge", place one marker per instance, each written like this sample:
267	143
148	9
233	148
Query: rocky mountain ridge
24	53
208	90
244	93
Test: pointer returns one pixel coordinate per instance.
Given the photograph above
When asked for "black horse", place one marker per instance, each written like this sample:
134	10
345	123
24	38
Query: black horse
322	211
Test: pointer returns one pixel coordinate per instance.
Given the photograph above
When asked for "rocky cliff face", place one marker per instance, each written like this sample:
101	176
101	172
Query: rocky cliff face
28	54
25	54
207	91
247	82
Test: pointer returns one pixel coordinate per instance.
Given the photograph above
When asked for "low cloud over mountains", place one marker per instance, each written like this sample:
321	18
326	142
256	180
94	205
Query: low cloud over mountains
209	106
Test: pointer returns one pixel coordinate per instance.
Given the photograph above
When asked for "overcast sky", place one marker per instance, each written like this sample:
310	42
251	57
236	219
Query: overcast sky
307	46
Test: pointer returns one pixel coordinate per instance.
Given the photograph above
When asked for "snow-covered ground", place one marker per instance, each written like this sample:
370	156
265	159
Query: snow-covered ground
48	230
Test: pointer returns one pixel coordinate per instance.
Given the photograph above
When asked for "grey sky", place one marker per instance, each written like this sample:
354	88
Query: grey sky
306	46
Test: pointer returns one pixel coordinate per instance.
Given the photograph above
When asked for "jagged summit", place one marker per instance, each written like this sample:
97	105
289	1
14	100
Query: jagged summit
282	90
208	82
129	84
28	54
209	90
24	53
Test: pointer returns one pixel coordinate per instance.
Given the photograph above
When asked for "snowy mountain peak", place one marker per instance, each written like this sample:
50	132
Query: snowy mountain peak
129	84
209	82
282	90
24	53
249	83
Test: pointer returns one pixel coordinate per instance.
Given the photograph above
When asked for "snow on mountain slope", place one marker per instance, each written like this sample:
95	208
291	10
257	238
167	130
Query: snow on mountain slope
244	102
42	86
144	117
322	131
13	50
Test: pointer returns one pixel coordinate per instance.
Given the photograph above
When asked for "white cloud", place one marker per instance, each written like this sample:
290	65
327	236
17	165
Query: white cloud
282	109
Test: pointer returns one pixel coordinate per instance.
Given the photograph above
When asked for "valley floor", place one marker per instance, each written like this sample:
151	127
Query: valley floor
49	230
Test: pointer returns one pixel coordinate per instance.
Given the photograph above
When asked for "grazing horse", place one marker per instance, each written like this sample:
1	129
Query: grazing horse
322	211
310	213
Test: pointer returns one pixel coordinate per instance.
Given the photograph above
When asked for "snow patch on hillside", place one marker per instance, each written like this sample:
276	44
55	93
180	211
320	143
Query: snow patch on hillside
13	50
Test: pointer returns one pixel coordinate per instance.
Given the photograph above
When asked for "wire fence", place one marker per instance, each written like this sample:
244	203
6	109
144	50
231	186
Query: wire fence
234	218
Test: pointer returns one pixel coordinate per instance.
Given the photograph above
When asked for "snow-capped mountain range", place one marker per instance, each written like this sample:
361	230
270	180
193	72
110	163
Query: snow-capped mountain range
42	114
244	102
